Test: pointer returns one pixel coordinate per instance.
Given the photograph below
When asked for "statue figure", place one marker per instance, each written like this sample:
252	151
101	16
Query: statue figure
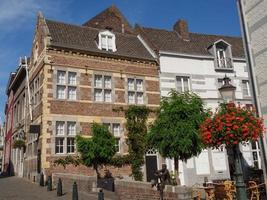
163	178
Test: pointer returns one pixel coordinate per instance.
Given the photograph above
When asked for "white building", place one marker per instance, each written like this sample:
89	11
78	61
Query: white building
198	62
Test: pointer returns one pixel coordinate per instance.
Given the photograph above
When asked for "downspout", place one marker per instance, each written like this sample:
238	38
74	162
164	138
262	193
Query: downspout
254	88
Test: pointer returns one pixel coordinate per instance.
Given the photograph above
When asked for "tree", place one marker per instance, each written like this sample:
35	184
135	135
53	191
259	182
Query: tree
175	131
98	150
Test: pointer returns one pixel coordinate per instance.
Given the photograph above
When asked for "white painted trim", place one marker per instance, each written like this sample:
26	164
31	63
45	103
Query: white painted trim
169	53
147	46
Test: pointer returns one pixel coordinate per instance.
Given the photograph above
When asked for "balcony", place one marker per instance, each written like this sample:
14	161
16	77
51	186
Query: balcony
224	64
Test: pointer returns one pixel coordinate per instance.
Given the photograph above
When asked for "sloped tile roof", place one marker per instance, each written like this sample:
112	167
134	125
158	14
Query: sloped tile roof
83	38
198	44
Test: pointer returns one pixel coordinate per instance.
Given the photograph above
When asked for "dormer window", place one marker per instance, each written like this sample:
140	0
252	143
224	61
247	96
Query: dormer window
106	41
222	55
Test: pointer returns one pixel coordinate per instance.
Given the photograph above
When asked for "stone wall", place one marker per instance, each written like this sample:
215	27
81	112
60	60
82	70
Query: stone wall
125	190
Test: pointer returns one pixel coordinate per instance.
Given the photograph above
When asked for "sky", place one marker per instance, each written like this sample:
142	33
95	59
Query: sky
18	20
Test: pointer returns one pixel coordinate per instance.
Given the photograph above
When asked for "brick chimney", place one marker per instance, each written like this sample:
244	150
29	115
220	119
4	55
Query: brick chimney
181	28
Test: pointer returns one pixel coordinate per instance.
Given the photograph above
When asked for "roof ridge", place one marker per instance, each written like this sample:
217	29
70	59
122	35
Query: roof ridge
194	33
218	35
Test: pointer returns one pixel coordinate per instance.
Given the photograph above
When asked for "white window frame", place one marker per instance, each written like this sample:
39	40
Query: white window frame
135	91
182	83
102	88
65	135
68	84
247	88
107	47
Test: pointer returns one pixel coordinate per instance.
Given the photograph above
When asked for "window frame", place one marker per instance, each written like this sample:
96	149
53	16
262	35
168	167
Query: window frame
65	136
68	85
102	89
104	43
134	90
248	92
182	82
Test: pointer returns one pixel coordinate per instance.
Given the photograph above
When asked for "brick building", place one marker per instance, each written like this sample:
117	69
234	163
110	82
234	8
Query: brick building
77	75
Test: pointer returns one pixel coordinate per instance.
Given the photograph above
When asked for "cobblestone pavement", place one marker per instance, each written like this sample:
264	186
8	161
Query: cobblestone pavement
14	188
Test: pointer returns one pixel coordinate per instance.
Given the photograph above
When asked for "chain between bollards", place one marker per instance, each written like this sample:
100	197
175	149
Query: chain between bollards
100	195
59	187
75	191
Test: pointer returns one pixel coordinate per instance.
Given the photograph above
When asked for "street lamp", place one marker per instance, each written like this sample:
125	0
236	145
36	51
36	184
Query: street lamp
227	92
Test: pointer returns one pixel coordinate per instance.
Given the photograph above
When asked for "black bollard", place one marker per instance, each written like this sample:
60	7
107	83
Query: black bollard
74	191
49	183
100	195
42	179
59	187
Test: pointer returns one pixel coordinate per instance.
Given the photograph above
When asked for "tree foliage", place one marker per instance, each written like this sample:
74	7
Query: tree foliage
175	132
98	150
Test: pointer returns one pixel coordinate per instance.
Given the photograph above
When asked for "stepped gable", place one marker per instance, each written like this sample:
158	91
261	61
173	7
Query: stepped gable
110	18
84	39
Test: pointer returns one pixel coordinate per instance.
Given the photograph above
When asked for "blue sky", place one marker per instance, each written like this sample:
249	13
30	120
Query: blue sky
18	19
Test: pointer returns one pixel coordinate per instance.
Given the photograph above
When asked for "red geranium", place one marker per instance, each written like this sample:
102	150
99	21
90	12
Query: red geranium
231	125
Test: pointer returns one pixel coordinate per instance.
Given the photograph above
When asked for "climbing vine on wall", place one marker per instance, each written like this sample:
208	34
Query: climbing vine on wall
136	125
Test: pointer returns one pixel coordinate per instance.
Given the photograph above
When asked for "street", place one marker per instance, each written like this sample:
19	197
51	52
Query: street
13	188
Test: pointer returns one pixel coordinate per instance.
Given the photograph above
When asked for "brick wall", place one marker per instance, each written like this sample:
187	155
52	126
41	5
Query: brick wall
130	190
125	190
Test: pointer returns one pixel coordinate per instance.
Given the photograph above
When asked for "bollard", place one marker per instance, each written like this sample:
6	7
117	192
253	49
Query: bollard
74	191
100	195
42	179
49	183
59	187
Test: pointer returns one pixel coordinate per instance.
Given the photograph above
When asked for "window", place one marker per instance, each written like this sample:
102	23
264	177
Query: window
107	41
61	76
102	88
115	129
135	91
256	154
183	83
72	93
245	88
223	55
59	145
61	92
72	78
65	137
70	145
66	90
71	126
60	128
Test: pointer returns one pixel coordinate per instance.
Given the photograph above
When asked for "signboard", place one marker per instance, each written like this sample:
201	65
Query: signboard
35	129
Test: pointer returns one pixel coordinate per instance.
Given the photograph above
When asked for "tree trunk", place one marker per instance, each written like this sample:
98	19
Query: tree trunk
176	169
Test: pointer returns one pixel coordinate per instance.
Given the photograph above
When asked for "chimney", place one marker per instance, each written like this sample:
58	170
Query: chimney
182	29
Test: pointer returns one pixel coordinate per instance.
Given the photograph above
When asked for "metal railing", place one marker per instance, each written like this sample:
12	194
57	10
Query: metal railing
224	63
